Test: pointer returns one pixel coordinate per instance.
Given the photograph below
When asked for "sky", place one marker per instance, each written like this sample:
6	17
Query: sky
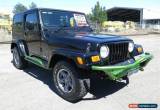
81	5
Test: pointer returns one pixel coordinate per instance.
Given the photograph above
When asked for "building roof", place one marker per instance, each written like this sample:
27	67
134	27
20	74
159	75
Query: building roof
117	8
124	14
133	14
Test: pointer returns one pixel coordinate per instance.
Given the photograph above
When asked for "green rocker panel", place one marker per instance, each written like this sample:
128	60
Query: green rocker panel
117	72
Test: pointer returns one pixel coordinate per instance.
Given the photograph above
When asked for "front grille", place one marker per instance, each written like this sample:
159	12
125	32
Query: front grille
118	52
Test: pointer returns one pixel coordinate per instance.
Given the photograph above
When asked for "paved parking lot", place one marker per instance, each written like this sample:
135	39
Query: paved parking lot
32	89
4	36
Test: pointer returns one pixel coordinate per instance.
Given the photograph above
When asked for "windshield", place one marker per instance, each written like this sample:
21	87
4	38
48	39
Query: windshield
63	18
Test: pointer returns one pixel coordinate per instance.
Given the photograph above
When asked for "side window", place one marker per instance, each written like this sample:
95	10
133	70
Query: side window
18	23
17	20
31	22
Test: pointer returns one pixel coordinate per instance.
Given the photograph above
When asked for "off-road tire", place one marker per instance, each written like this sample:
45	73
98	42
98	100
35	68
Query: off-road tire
79	84
22	63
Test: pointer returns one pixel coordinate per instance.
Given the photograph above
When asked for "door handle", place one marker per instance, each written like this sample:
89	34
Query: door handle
25	33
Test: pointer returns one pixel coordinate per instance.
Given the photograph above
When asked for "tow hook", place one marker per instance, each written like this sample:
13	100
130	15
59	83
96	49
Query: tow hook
141	69
126	79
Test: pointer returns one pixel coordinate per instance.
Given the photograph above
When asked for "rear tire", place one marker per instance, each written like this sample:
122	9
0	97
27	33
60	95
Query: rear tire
68	83
18	61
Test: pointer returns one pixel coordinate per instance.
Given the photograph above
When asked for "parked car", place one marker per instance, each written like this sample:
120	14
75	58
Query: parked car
62	41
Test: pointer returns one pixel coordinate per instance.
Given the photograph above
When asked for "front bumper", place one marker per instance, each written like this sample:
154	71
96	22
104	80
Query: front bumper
116	72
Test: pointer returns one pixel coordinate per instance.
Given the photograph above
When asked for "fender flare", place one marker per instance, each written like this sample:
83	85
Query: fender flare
65	53
22	47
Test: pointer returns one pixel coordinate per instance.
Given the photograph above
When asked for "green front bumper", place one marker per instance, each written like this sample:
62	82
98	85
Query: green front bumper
117	72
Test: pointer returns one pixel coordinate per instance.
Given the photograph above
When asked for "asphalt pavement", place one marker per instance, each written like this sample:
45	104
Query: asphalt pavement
32	88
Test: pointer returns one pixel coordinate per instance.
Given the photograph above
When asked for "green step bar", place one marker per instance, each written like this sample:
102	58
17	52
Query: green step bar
117	72
36	61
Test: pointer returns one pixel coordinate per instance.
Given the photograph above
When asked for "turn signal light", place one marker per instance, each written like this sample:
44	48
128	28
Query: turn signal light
139	49
80	60
95	58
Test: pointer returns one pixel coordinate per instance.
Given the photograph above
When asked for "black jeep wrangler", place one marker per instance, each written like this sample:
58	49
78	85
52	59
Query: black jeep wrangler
64	42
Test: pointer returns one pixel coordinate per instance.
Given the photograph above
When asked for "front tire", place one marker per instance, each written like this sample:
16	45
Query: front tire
18	61
68	83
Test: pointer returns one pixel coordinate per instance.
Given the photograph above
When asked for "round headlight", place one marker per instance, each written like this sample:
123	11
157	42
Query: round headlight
104	51
131	47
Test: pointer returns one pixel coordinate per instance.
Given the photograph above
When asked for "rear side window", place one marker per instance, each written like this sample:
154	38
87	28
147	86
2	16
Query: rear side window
18	23
17	19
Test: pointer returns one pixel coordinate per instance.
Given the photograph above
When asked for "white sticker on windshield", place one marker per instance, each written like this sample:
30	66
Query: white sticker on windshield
80	20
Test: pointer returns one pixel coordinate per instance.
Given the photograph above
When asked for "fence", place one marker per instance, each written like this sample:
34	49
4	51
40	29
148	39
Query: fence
126	28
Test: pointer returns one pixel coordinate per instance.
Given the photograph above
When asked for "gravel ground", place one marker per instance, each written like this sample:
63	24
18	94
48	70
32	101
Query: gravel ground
32	88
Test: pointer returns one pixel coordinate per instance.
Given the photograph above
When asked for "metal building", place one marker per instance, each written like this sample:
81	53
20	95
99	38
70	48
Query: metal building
147	18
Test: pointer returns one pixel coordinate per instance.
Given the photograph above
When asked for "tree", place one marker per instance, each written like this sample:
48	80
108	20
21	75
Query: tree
98	14
32	5
19	8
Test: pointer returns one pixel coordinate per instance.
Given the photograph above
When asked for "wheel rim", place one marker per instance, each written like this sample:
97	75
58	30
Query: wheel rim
16	57
65	81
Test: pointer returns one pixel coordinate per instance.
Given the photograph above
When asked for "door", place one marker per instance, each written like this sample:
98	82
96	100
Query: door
32	33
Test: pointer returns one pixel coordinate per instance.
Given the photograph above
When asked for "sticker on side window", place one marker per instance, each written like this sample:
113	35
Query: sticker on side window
80	20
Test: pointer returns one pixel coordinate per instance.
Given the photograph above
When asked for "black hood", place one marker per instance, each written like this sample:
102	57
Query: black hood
100	38
80	40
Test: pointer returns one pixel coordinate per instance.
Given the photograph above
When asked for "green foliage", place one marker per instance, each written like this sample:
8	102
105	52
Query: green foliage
98	14
32	5
19	8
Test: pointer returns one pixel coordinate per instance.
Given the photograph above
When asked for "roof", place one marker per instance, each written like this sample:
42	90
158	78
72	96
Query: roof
135	13
124	14
126	8
49	9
